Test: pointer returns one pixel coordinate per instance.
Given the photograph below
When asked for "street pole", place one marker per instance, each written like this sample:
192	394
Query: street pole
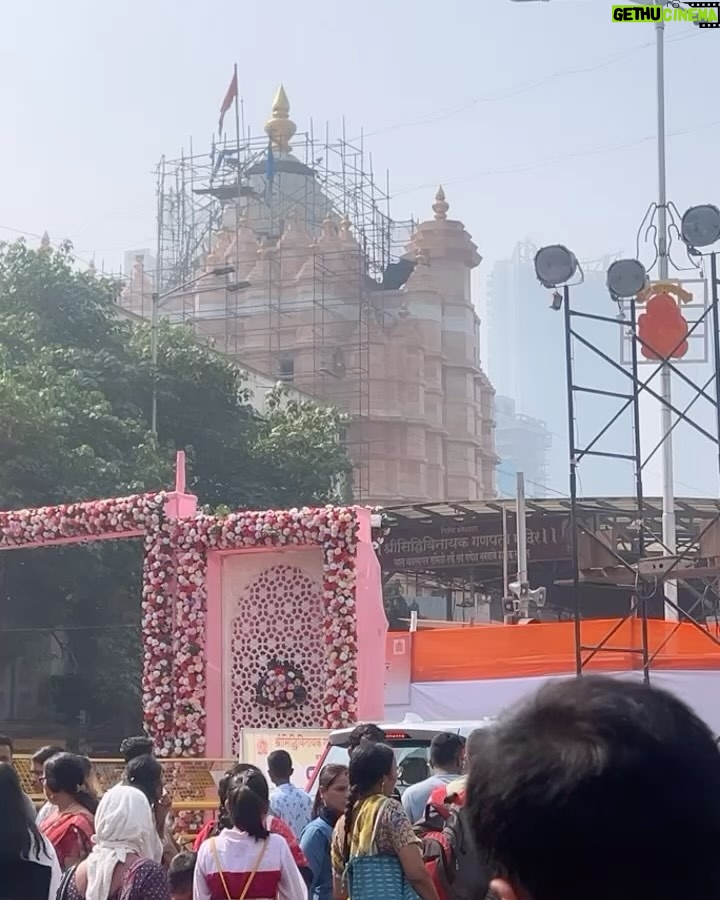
522	569
669	536
154	323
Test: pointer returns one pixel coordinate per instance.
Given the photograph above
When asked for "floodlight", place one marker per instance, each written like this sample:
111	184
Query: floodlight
626	278
554	265
700	225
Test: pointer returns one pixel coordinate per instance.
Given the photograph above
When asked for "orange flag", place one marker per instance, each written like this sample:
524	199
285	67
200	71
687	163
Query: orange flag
230	98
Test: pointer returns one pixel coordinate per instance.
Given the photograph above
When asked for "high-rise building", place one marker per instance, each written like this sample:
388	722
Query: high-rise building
525	356
522	444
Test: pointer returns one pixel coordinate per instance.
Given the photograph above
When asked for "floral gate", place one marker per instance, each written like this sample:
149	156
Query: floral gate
182	677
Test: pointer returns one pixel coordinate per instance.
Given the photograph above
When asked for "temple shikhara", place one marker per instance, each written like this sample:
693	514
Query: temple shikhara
281	251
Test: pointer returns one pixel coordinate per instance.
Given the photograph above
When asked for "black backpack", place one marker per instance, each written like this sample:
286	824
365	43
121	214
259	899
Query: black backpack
459	871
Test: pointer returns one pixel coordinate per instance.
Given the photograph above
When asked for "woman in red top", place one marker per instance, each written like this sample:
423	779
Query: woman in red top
256	781
71	824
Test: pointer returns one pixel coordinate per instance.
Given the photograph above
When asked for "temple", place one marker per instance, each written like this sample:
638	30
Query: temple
292	266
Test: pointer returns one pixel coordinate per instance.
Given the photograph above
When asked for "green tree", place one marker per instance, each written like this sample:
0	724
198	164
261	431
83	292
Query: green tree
76	383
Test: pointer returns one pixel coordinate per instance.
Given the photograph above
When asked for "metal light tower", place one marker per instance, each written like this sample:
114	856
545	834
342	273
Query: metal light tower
669	533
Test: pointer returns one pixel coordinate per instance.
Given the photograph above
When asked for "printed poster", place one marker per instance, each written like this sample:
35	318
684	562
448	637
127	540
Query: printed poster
306	746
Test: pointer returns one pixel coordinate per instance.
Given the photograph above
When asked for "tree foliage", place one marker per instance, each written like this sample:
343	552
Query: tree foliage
76	383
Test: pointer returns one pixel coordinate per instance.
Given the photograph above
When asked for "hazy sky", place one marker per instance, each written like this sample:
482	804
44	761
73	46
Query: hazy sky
537	117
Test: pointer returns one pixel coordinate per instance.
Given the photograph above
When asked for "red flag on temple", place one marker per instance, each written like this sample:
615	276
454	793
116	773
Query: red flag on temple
230	98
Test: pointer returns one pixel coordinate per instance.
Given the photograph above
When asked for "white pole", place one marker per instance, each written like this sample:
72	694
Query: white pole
506	589
522	575
668	488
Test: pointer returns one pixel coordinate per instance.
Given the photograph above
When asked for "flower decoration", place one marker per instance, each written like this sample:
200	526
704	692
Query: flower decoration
282	686
174	598
133	516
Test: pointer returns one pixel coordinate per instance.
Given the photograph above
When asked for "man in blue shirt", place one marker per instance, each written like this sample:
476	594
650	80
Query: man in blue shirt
287	802
447	751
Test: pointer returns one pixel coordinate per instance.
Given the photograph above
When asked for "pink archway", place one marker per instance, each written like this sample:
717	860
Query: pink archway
185	674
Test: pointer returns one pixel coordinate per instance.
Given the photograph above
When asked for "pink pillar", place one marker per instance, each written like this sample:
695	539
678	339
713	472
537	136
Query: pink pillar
372	624
179	504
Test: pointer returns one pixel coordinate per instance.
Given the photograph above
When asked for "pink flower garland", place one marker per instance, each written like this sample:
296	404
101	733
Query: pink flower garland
125	516
332	528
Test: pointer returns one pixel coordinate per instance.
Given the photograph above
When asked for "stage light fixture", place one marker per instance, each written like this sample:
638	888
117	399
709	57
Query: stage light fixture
700	226
555	265
626	278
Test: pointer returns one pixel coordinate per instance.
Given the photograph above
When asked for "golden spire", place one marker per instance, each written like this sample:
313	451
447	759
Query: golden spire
440	206
45	241
280	128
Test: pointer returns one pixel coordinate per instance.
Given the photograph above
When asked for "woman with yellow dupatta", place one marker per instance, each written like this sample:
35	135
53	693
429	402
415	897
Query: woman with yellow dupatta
375	852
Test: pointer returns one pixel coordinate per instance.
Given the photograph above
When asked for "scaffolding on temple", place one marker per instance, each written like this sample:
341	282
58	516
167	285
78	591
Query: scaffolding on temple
307	233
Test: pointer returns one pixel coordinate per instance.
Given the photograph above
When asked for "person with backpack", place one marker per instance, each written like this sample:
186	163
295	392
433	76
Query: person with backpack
375	852
447	754
330	802
449	850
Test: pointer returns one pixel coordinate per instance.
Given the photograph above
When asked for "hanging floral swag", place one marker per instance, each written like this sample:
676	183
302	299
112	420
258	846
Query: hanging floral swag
282	686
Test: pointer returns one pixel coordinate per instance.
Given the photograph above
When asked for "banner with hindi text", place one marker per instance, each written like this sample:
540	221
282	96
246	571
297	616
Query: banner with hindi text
305	746
480	543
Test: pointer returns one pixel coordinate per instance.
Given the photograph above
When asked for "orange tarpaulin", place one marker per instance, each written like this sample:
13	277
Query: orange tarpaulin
522	651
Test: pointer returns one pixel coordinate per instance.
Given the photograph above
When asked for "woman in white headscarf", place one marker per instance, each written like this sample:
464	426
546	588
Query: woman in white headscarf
123	864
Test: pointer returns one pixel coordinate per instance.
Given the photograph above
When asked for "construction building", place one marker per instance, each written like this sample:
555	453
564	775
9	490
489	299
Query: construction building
286	258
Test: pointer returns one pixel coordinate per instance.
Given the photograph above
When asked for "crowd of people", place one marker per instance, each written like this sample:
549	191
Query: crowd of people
593	788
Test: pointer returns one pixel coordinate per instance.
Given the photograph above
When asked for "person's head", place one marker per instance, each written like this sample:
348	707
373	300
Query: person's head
447	751
145	773
254	779
38	760
280	767
91	783
18	834
64	781
332	793
180	875
132	747
223	820
474	746
123	817
6	749
372	770
365	734
247	809
586	772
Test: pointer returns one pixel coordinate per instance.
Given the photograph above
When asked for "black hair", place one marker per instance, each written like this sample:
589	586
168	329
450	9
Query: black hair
369	764
446	749
247	809
254	779
6	741
474	744
280	764
18	833
65	773
223	820
583	772
41	756
329	774
181	870
132	747
369	732
145	773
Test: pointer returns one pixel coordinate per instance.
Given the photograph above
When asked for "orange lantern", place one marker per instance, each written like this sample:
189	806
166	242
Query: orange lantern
662	329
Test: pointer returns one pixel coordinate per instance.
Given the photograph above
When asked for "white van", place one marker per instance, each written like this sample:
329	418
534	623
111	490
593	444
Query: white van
410	739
